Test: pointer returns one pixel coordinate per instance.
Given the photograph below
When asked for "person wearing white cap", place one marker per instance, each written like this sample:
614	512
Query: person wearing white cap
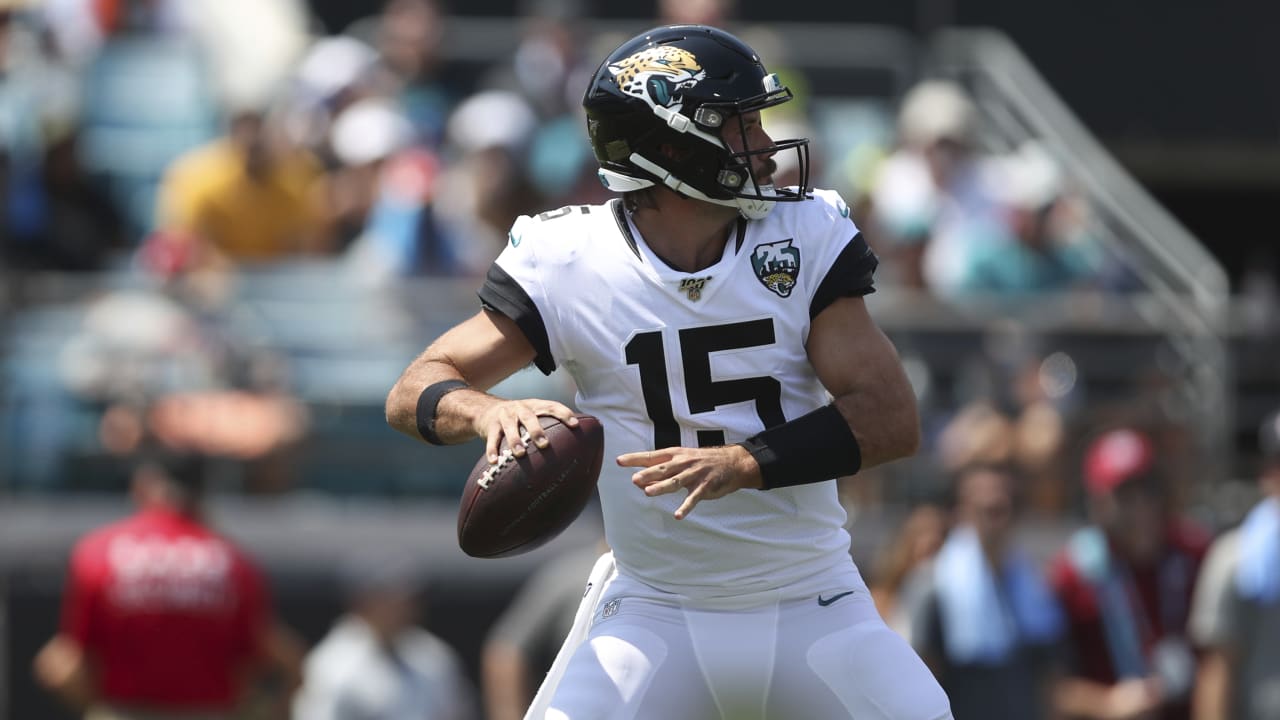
363	138
1043	248
931	196
485	189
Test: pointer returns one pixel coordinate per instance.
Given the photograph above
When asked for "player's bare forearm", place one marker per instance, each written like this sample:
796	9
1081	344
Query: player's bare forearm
861	369
481	352
884	419
455	415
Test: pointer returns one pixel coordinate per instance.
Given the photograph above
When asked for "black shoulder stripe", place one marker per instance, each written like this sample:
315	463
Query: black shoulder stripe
624	227
502	294
850	275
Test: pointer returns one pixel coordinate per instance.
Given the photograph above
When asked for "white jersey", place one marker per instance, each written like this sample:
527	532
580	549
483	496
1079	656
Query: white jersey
666	358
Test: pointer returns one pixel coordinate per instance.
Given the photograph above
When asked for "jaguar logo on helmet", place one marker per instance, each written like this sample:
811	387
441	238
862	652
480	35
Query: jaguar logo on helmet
658	74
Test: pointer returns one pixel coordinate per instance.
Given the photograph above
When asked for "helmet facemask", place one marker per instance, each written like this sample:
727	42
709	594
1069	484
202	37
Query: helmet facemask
737	175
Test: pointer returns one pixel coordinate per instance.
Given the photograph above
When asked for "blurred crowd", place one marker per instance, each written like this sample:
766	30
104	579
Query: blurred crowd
955	220
1137	613
161	142
160	135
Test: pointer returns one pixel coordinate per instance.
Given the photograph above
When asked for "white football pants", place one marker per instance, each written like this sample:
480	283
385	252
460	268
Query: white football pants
638	654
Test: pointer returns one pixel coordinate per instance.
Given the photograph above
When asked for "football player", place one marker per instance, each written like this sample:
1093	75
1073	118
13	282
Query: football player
715	324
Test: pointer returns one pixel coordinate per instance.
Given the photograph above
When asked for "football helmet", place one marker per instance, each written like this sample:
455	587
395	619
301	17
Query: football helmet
677	86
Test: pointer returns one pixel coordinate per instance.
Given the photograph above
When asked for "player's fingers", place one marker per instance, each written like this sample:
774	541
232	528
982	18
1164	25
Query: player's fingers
666	485
695	495
636	459
491	440
675	462
561	412
651	475
646	458
511	430
532	428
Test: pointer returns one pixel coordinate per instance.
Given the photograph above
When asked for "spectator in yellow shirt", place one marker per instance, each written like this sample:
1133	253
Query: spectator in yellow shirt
247	197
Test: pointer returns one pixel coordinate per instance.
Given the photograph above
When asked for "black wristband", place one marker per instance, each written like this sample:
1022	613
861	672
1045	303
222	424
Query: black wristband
428	402
812	448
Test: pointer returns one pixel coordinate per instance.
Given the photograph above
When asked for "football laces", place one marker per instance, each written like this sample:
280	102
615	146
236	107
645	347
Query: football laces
506	458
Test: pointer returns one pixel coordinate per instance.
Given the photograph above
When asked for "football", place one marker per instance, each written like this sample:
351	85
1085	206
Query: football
517	504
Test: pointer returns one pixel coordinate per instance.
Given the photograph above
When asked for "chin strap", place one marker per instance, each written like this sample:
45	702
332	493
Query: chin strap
751	208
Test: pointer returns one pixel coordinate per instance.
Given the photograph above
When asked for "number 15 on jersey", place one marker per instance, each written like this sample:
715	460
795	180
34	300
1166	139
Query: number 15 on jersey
648	351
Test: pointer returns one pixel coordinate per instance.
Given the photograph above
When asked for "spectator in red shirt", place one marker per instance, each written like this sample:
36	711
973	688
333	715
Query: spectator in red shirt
162	616
1125	584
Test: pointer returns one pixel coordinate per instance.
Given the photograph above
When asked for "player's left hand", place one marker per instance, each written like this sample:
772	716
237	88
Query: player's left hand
707	473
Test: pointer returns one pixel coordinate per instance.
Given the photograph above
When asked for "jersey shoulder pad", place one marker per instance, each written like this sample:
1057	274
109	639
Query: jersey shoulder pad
832	206
842	263
556	236
816	220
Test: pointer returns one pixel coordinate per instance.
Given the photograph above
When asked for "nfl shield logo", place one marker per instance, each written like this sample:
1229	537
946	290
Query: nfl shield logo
610	608
777	266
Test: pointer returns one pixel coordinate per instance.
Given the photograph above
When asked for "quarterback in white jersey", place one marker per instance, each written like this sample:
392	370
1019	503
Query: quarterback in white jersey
716	326
666	358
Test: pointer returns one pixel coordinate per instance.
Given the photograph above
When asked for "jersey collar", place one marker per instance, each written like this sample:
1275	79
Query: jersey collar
624	226
629	233
694	288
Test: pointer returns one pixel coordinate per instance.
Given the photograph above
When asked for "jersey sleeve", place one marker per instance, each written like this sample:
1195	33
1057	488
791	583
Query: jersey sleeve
845	263
514	288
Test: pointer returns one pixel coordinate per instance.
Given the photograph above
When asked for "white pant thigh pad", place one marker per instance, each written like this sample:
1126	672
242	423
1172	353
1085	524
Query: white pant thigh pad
876	675
836	660
826	657
627	671
637	663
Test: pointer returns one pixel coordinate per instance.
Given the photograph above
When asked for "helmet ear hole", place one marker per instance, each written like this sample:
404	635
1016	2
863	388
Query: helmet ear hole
708	117
733	180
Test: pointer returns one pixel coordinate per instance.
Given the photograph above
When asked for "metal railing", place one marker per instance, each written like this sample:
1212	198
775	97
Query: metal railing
1188	287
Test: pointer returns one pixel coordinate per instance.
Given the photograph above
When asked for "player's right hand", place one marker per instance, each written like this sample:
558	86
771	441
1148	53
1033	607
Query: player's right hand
513	419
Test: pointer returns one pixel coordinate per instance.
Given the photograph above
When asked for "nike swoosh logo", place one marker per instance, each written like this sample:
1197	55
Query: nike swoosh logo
827	601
